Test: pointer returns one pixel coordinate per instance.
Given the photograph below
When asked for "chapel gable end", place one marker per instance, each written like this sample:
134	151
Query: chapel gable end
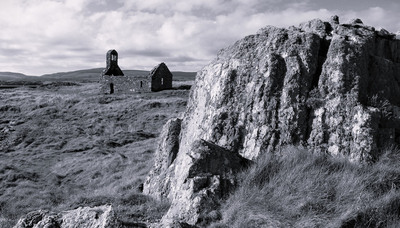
161	78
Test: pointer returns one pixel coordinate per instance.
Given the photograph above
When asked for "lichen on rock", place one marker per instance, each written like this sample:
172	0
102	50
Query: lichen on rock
88	217
315	85
158	181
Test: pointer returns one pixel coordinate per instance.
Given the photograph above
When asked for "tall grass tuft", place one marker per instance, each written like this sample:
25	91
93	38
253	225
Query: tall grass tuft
296	188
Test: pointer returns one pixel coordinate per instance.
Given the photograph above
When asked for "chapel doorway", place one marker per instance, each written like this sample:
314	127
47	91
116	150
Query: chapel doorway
111	88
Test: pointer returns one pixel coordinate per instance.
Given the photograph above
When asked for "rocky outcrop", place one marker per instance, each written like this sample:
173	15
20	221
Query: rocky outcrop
331	87
211	175
158	182
96	217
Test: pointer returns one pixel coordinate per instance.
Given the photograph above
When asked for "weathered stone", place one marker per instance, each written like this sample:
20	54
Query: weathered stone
160	78
317	26
334	19
177	224
40	218
112	79
157	182
112	68
356	21
123	84
386	34
251	98
329	87
210	177
96	217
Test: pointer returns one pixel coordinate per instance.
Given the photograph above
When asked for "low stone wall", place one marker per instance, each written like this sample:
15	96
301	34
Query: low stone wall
124	84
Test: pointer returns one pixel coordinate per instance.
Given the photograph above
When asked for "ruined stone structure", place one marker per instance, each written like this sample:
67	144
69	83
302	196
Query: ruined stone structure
160	78
113	80
112	68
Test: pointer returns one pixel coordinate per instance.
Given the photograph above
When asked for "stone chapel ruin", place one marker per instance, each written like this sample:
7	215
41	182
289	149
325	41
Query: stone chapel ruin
113	80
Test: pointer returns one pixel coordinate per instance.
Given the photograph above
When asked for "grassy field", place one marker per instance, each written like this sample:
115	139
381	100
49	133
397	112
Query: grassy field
296	188
62	147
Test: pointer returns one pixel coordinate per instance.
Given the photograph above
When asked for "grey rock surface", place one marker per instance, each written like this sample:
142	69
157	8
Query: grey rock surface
211	176
157	182
331	87
88	217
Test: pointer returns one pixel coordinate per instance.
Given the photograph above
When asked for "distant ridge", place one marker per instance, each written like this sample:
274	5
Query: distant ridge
90	75
12	76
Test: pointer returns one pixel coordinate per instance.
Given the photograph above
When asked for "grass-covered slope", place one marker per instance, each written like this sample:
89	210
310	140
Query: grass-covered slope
9	76
296	188
62	147
65	145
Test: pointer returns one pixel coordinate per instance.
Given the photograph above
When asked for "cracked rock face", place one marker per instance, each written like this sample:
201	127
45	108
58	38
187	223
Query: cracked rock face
90	217
158	183
331	87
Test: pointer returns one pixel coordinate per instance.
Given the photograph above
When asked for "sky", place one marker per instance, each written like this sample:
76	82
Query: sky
47	36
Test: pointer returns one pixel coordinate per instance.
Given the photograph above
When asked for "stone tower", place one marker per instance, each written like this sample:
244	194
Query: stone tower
112	68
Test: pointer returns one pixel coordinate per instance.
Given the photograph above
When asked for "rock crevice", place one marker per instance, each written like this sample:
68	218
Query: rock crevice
327	86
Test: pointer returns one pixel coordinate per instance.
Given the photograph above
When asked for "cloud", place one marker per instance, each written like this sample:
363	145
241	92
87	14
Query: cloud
46	36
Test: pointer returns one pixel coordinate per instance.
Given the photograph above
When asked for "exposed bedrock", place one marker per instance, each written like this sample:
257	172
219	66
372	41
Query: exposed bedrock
331	87
89	217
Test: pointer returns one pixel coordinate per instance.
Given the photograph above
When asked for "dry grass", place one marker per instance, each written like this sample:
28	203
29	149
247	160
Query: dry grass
67	146
296	188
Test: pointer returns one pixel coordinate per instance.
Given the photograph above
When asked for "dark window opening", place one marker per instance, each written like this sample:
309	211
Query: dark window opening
141	84
111	88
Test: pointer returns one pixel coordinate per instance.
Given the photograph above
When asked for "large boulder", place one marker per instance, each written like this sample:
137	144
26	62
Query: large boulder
88	217
210	177
331	87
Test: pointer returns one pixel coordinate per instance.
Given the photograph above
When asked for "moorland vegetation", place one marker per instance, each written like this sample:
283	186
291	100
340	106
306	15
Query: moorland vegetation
64	145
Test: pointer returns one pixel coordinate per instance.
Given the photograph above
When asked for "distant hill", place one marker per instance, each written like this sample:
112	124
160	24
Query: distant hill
79	75
91	75
11	76
183	76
